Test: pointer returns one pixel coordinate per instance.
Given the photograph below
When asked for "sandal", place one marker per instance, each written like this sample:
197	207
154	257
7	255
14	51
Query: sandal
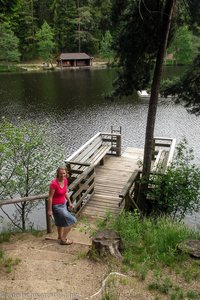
67	242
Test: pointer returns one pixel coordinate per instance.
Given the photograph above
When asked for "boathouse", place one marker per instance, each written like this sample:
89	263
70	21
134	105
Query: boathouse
74	60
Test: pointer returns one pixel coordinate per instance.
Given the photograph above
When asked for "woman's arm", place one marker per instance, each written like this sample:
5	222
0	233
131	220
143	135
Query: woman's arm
51	193
68	200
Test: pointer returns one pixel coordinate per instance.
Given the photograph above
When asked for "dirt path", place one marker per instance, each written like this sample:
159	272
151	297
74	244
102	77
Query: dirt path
50	271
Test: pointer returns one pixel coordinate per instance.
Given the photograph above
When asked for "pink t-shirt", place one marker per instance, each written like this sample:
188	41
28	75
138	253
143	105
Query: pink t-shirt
59	194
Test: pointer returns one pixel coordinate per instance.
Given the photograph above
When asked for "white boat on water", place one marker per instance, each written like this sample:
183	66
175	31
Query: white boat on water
143	94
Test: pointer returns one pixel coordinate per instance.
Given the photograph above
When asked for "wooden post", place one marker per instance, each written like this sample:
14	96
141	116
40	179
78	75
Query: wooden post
153	149
48	218
137	187
127	203
92	181
118	152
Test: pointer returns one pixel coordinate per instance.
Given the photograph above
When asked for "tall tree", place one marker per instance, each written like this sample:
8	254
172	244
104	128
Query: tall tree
84	34
46	45
106	46
64	13
6	9
26	27
155	87
9	45
43	11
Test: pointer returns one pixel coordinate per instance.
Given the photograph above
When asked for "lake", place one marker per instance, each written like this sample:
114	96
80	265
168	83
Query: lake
73	101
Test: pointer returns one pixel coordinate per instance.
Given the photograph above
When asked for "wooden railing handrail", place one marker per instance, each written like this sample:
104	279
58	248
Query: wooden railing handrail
171	152
79	150
83	147
24	199
70	162
128	185
171	147
80	177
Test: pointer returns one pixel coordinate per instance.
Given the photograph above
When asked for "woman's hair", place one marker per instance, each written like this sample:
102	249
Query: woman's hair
58	170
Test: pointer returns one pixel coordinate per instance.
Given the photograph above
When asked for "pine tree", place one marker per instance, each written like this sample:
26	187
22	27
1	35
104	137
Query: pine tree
46	45
9	52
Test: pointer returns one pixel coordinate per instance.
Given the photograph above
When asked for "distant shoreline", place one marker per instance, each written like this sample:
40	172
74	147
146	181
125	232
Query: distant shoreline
40	66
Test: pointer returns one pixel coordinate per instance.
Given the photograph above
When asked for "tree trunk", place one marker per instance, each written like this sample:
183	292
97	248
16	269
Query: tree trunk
151	117
23	215
79	27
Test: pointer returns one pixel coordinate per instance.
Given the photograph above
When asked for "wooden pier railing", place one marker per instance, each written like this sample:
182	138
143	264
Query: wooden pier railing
81	166
163	153
42	197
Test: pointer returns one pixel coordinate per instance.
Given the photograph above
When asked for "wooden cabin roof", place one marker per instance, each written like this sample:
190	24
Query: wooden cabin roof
72	56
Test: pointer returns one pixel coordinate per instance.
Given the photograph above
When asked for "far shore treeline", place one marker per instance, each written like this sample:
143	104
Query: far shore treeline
43	29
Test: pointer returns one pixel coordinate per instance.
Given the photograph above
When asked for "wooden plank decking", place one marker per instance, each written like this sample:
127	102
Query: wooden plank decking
109	181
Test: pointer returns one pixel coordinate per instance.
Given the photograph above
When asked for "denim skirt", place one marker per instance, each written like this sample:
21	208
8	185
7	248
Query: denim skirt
62	216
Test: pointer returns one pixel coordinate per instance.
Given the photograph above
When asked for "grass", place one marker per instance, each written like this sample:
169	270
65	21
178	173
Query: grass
8	263
5	237
152	244
36	233
11	68
163	286
149	241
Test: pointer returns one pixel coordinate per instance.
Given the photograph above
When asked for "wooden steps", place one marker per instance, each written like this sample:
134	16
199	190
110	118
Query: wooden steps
109	181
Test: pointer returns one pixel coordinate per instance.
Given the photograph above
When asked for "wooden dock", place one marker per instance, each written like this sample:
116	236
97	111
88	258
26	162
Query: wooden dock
109	181
103	179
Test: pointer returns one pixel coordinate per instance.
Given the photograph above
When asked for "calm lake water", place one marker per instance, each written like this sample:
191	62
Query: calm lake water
73	101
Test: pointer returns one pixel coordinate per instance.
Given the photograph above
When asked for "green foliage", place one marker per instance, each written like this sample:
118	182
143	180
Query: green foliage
193	295
5	237
24	23
76	24
64	13
187	88
105	47
12	68
85	22
28	157
9	52
46	45
1	254
36	233
163	287
6	9
137	38
9	263
177	192
183	47
151	244
148	242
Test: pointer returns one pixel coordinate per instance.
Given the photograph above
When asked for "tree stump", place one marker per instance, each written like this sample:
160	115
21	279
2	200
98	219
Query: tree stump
192	247
107	242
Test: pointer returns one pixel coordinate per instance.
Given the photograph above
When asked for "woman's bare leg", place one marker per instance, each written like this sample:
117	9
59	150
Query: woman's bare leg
65	232
60	232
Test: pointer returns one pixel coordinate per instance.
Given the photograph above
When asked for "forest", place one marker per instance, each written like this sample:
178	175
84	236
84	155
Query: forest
38	27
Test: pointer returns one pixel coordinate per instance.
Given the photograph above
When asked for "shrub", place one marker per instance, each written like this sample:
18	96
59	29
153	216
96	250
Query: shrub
177	192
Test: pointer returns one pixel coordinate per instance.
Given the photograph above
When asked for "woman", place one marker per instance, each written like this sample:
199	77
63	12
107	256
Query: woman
57	206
